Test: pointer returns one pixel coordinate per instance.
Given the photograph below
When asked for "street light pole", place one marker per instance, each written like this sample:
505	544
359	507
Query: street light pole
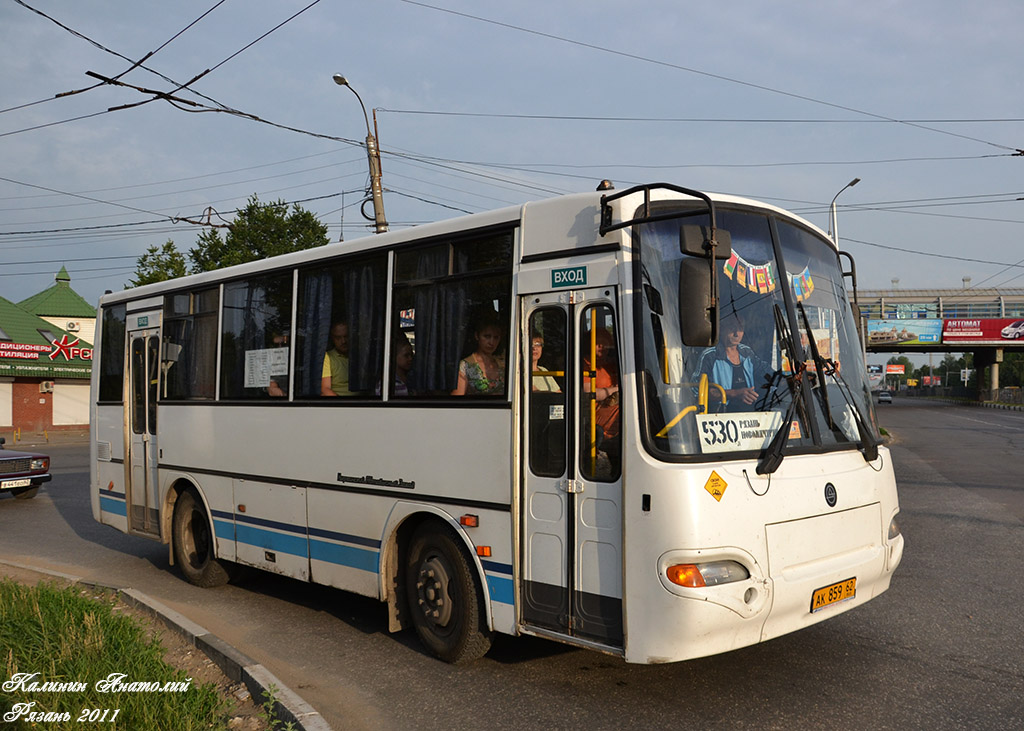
832	212
373	154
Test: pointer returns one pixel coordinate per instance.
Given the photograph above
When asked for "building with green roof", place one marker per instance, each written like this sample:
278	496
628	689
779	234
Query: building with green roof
63	307
46	359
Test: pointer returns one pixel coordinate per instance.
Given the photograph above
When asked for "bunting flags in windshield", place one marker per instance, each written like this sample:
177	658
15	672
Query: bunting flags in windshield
761	278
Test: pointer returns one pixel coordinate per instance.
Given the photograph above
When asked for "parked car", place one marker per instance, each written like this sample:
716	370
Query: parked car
21	473
884	397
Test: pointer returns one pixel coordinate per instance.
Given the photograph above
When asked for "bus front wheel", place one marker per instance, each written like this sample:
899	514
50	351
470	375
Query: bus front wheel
445	601
193	543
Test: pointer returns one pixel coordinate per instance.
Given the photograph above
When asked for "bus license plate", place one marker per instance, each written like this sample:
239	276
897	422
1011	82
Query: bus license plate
833	594
15	483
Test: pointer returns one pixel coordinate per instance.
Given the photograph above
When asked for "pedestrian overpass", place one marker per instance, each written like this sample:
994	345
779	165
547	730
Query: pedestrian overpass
985	322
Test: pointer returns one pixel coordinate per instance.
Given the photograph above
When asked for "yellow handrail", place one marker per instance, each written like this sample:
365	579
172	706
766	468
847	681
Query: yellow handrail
702	405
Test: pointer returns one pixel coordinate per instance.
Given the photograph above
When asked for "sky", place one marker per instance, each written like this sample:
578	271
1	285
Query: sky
481	105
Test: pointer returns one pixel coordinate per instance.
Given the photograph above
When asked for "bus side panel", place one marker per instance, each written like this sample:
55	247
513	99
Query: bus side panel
319	484
344	542
407	452
108	468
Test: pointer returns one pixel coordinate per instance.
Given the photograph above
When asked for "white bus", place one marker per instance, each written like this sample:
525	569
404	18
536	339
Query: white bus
523	421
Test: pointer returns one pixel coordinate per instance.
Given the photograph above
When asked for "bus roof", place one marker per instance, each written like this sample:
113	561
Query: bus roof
570	222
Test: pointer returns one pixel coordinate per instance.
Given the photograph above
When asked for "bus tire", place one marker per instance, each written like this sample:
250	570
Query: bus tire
25	493
445	601
193	543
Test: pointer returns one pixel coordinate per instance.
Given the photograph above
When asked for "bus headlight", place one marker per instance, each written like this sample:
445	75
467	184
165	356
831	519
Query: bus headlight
713	573
894	528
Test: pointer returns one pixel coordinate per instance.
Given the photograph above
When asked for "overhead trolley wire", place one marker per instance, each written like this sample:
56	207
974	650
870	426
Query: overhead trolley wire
708	74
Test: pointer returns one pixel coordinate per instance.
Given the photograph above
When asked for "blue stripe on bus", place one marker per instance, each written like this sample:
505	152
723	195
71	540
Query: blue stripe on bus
224	529
345	537
271	541
498	568
276	524
116	507
357	558
245	530
500	589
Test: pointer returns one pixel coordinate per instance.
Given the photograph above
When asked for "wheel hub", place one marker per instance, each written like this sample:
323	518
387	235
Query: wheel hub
432	588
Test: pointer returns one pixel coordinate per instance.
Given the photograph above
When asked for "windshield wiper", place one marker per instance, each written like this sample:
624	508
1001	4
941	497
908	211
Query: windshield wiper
822	367
771	456
825	368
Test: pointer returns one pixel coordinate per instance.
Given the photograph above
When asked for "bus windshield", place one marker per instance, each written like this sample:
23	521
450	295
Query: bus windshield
787	373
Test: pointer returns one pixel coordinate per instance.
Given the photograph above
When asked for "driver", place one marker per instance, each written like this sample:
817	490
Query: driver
733	366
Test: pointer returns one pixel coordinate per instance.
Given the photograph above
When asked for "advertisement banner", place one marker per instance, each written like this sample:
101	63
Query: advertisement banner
982	332
898	369
904	332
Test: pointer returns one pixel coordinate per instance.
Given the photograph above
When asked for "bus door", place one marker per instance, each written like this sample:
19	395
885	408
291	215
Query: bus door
572	488
142	495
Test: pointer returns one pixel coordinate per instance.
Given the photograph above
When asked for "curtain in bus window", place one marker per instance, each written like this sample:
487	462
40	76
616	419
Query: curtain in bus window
353	294
440	322
315	296
364	287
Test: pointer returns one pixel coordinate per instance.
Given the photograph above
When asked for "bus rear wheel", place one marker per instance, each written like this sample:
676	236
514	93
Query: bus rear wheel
193	543
445	601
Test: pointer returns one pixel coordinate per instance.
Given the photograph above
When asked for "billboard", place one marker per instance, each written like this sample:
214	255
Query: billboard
904	332
898	369
983	332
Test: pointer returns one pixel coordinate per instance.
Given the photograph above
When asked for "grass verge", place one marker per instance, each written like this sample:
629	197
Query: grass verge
69	658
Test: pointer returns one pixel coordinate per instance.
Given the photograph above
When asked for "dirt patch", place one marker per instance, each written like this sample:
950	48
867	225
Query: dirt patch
243	713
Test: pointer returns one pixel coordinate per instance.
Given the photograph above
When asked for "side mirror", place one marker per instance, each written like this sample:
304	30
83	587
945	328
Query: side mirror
698	315
698	283
695	240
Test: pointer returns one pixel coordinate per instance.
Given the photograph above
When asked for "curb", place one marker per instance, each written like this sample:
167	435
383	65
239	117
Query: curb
983	404
240	668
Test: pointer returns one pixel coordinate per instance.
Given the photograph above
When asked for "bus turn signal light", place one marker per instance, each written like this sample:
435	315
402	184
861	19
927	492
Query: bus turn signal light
711	573
685	574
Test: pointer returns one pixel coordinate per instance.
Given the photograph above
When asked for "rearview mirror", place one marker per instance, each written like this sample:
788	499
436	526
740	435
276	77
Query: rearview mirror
695	240
698	317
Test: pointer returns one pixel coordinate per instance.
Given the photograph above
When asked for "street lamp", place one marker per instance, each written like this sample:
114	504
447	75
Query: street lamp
373	154
832	212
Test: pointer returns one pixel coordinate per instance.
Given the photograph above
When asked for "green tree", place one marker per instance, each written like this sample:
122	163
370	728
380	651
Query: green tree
159	264
261	230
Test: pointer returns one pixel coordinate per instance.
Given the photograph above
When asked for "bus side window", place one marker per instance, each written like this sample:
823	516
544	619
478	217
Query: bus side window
341	326
254	337
111	380
189	350
452	302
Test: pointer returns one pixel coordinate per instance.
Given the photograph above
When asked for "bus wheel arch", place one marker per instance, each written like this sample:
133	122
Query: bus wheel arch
435	584
193	540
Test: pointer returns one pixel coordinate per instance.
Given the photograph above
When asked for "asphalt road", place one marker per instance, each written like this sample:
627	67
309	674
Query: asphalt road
941	649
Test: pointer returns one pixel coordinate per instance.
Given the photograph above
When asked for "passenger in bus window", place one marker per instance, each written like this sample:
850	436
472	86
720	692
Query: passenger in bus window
734	366
334	378
538	378
404	355
482	373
